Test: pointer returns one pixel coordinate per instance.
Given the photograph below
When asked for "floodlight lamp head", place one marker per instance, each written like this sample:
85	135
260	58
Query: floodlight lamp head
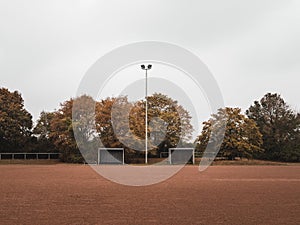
143	67
149	66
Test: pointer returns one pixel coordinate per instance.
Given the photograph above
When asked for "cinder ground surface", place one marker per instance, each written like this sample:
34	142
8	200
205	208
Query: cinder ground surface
75	194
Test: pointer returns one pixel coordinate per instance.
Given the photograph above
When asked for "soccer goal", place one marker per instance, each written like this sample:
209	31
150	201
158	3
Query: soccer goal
111	156
181	155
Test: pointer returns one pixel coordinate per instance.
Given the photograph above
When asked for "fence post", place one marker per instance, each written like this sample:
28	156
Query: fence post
193	156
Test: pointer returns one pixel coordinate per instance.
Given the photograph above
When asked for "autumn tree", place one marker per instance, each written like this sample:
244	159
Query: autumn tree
169	123
42	132
71	121
84	127
280	127
104	120
15	122
242	137
80	122
61	132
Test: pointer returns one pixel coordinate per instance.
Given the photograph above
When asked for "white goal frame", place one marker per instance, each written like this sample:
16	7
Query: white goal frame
110	149
174	149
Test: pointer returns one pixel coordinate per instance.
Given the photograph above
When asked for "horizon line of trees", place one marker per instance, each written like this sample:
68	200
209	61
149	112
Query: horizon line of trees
268	130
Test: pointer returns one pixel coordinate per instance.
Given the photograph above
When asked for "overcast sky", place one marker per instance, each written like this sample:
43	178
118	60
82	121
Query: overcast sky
251	47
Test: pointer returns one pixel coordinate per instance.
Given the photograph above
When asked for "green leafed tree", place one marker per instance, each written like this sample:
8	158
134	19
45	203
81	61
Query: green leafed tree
280	127
242	137
15	122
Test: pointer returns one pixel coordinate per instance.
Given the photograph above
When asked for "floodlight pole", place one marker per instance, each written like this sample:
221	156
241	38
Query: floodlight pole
146	118
146	107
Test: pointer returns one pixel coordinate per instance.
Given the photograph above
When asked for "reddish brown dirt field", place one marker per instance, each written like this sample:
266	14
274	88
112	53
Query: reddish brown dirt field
75	194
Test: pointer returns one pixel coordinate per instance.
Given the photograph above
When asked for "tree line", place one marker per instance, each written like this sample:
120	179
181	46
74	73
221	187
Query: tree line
268	130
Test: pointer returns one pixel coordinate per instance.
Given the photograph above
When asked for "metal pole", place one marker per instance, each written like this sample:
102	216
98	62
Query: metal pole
146	119
193	156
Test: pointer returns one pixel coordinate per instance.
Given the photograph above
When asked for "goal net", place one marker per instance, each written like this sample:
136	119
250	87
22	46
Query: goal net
111	156
181	155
